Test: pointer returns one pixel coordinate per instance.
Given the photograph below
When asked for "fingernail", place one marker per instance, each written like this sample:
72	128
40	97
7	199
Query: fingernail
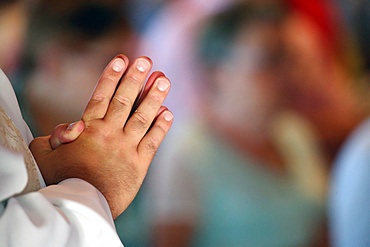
71	126
163	85
118	65
142	65
168	116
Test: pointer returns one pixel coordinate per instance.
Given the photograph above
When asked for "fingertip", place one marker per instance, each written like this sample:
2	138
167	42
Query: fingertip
165	113
70	127
157	74
123	57
143	64
147	58
168	116
78	126
161	110
152	78
119	63
163	83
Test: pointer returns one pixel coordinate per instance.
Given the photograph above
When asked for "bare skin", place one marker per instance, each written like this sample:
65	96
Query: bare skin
66	133
116	147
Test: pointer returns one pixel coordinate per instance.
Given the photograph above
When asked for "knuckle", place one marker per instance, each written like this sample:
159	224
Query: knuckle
132	77
156	99
162	127
152	146
122	100
96	98
141	119
109	79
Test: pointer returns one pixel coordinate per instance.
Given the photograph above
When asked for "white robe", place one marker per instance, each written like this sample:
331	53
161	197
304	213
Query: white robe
72	213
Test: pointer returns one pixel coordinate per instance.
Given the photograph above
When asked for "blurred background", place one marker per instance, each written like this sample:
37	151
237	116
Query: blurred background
264	93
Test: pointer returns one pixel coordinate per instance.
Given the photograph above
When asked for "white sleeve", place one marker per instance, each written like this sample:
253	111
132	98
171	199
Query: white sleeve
72	213
8	101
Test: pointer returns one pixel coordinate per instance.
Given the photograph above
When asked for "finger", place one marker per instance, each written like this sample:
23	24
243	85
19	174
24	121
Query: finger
40	146
162	109
152	140
65	133
146	89
105	88
139	123
122	102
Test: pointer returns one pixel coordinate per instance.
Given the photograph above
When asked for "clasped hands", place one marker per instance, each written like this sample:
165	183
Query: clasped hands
113	144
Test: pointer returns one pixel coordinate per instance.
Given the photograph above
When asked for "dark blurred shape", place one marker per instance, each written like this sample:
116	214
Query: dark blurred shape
363	22
68	45
92	19
357	15
6	2
217	38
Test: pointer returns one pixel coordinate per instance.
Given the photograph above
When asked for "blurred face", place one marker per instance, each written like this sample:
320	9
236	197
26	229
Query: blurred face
13	24
246	88
307	64
316	85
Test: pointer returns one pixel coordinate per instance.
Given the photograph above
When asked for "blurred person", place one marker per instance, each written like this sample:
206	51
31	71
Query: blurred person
349	201
141	13
248	170
167	32
178	20
13	26
339	111
59	194
321	79
68	44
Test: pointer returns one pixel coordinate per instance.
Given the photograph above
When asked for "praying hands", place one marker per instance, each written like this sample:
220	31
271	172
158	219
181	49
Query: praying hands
113	144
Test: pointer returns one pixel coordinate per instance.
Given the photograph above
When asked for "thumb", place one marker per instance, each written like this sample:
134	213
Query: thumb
40	146
64	133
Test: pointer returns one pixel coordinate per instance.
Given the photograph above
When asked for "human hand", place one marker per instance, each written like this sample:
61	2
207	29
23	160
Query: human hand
66	133
114	151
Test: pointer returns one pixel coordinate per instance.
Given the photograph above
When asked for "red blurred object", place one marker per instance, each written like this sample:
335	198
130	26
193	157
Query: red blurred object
325	15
